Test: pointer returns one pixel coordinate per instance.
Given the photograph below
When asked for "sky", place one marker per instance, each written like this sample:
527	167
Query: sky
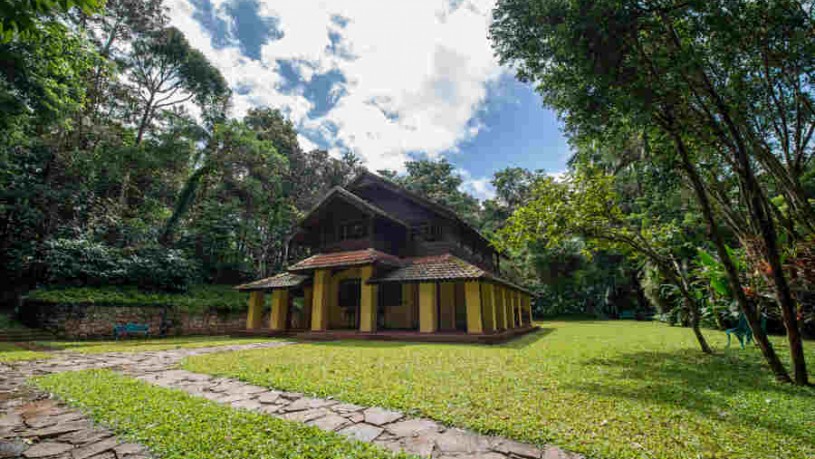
390	81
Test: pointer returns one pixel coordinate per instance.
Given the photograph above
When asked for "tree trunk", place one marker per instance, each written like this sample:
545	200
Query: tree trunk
693	309
747	308
782	289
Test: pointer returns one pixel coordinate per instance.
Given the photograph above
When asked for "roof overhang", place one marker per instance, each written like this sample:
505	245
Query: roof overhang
345	260
442	268
281	280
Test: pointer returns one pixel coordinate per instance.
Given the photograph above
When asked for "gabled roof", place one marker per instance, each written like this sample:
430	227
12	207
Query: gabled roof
356	201
445	267
281	280
342	259
416	197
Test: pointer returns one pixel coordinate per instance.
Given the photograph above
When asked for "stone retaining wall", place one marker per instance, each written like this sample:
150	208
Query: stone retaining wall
84	320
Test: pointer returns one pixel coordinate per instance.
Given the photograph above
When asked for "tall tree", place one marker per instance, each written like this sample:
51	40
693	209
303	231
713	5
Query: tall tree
585	205
691	69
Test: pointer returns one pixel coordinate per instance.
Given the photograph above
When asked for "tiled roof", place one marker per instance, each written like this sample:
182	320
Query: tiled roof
445	267
281	280
339	259
441	267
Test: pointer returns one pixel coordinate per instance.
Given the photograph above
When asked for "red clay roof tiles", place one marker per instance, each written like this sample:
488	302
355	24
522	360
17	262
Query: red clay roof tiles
340	259
280	280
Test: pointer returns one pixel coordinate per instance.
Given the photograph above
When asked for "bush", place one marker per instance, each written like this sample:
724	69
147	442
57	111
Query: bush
87	263
83	262
197	298
157	268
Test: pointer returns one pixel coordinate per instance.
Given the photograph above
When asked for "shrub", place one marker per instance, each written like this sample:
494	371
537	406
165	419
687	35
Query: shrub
87	263
197	298
83	262
157	268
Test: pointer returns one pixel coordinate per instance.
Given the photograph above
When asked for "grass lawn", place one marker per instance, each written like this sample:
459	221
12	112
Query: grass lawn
618	389
149	344
12	353
175	425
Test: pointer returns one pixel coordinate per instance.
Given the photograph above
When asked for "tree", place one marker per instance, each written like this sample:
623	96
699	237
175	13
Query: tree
167	71
585	205
694	70
21	19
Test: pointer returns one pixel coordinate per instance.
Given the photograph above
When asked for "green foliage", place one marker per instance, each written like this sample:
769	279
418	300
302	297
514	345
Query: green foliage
83	262
197	297
8	323
173	424
21	18
605	389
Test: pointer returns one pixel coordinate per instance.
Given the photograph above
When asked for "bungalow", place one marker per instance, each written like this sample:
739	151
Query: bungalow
380	261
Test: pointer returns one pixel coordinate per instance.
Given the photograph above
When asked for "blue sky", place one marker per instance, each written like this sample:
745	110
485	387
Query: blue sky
354	74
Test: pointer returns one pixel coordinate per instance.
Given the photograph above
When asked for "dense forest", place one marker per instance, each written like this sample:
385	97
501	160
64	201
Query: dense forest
689	193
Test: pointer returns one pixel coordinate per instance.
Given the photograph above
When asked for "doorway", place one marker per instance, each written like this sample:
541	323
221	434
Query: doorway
349	294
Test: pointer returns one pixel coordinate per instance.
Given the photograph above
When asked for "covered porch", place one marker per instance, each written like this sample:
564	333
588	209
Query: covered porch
366	296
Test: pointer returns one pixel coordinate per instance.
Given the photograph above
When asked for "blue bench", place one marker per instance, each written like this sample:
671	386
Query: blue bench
629	314
130	329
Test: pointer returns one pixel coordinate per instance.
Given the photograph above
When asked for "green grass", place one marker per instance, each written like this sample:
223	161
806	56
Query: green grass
13	353
149	344
173	424
197	298
606	389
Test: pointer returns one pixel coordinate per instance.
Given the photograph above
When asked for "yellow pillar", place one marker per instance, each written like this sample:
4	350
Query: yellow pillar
319	301
255	315
428	320
488	307
367	305
472	300
529	308
280	309
498	300
510	314
518	307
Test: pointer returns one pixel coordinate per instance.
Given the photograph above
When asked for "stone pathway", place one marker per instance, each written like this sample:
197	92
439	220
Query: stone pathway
390	429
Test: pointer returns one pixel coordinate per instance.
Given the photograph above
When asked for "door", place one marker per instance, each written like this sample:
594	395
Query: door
349	296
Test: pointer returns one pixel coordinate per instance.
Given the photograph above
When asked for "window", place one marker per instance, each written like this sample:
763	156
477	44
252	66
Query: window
390	294
428	232
353	230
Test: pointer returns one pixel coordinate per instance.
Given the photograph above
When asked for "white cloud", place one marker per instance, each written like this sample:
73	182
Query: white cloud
480	187
419	71
558	176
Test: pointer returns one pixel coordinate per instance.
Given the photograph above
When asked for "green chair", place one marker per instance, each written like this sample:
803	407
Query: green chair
742	330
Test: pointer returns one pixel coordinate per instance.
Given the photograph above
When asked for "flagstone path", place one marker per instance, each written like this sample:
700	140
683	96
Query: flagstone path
389	429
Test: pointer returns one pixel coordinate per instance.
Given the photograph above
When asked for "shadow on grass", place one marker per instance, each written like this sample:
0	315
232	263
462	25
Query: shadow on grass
527	340
728	388
516	343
